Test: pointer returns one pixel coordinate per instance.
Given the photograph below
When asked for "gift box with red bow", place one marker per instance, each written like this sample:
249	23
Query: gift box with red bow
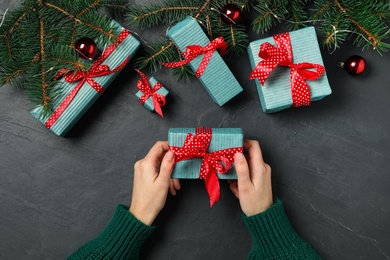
205	153
204	59
151	93
288	70
79	90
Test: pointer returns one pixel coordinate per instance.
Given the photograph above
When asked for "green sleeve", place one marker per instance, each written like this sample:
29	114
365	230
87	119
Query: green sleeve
274	238
121	239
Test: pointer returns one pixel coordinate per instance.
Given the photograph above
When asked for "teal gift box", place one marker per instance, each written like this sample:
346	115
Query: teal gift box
275	94
217	79
149	102
222	138
87	95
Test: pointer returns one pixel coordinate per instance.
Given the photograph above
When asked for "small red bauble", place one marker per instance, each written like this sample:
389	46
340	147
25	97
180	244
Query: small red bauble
354	65
86	47
230	14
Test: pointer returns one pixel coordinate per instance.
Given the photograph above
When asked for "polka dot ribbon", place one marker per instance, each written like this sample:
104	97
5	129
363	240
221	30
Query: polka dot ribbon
96	70
194	51
158	99
195	146
282	55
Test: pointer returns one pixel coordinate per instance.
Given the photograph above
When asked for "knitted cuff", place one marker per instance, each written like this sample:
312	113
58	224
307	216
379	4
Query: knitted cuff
274	238
121	239
125	233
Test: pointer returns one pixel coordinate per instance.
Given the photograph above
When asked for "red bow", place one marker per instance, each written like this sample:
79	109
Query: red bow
194	51
195	146
96	70
273	56
144	86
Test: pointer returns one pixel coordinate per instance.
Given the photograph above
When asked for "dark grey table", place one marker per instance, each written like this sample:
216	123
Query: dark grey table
330	164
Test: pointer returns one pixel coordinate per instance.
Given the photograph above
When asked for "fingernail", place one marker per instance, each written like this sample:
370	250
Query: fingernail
239	157
170	155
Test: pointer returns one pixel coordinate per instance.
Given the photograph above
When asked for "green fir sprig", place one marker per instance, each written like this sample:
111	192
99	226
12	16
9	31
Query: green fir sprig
274	12
336	20
207	12
37	41
365	20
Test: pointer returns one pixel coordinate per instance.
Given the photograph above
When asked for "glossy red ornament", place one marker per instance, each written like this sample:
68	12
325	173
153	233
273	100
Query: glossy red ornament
86	48
230	14
354	65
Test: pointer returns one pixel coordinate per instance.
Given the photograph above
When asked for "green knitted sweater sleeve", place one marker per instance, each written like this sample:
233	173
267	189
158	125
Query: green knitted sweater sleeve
121	239
274	238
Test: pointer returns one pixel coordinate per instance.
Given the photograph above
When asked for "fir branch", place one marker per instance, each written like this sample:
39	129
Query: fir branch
10	26
209	27
235	36
358	19
182	72
8	43
77	19
270	12
319	13
44	84
11	72
297	14
94	4
370	36
37	40
20	19
116	8
161	50
201	10
206	12
65	57
149	16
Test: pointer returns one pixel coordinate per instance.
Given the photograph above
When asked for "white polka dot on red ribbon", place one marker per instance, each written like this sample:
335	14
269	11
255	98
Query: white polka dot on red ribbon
194	51
96	70
196	146
149	91
283	56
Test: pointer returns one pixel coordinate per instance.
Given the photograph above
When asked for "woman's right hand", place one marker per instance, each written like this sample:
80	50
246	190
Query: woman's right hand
253	186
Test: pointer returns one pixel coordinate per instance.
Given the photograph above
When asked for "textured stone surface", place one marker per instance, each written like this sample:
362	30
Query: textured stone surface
330	162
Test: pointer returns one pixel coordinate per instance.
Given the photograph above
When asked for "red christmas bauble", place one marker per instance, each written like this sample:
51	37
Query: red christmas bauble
355	65
230	14
86	47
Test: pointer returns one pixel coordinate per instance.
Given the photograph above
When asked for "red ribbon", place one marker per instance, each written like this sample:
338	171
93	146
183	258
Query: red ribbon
96	70
273	56
195	146
194	51
158	99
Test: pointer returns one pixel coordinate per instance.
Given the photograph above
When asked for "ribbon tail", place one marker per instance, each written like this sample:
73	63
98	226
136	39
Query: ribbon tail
157	107
300	90
212	187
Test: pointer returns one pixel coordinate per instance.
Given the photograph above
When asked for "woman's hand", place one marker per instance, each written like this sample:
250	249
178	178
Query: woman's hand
253	187
152	180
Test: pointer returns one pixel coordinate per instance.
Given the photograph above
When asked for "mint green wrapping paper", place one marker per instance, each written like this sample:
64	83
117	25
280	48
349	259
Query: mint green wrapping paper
87	96
217	79
149	102
222	138
275	95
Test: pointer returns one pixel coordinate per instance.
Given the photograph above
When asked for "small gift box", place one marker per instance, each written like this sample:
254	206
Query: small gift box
288	70
80	90
205	153
204	60
151	94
